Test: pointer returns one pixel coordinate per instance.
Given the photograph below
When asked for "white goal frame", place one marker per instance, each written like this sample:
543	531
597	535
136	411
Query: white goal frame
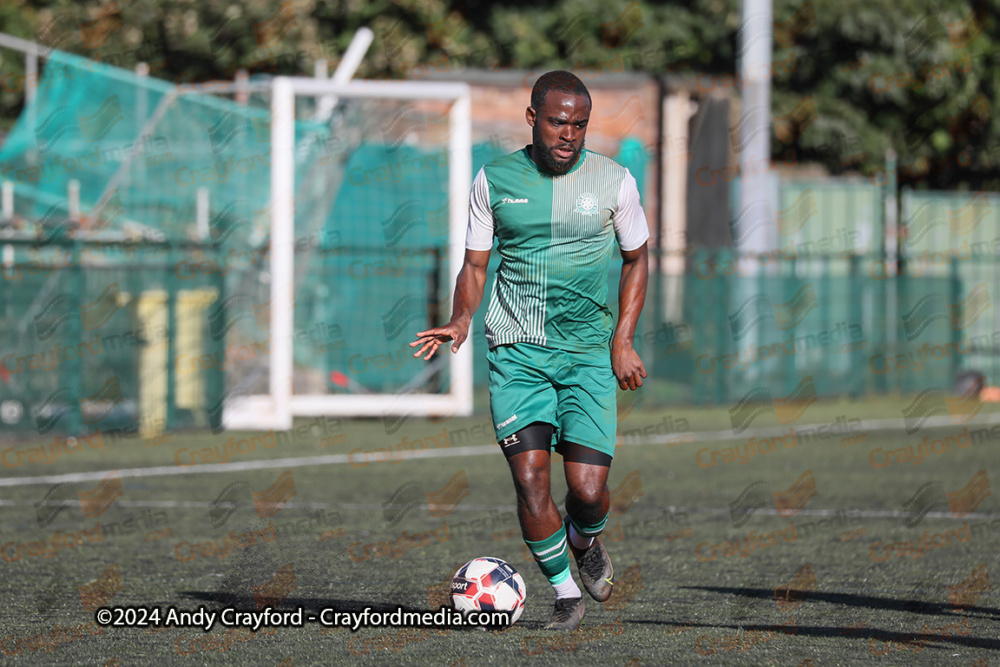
275	410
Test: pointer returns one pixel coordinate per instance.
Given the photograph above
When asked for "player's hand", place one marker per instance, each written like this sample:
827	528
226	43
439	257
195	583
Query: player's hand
627	366
431	339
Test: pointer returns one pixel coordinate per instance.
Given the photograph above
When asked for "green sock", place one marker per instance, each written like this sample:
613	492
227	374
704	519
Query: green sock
585	530
552	556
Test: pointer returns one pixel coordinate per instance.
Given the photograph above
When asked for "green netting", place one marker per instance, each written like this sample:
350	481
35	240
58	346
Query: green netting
141	149
145	155
955	237
371	240
88	332
389	260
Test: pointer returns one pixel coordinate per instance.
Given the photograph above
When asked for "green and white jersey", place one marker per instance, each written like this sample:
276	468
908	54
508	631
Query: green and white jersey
555	235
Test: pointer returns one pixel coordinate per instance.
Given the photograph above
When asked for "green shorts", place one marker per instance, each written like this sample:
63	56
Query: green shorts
573	391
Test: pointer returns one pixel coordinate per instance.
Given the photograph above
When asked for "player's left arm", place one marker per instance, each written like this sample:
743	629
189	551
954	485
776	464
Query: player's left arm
632	232
625	361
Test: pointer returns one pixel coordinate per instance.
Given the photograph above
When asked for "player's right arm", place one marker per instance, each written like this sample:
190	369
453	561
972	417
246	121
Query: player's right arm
471	279
468	295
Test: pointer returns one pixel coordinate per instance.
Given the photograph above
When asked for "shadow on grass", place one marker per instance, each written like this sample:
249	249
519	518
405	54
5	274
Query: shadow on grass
926	636
929	634
854	600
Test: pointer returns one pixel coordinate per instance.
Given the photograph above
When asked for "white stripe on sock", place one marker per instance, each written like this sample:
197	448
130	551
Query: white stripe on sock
561	545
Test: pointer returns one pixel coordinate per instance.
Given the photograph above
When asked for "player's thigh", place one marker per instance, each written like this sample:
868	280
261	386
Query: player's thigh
587	406
530	469
520	393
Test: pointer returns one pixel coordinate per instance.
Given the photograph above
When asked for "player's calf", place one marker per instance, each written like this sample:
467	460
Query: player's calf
552	556
588	502
539	517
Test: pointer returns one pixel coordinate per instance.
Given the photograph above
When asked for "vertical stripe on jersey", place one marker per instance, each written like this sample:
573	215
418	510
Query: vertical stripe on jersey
517	308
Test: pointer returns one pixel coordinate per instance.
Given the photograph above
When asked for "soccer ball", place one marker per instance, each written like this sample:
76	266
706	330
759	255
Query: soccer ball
488	584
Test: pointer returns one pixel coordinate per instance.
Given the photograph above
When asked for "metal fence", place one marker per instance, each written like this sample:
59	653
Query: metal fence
113	333
106	337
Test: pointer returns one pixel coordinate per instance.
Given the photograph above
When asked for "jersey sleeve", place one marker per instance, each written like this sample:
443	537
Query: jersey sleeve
629	219
479	235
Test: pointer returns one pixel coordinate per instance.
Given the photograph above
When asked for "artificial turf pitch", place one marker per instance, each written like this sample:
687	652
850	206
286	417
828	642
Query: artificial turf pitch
827	581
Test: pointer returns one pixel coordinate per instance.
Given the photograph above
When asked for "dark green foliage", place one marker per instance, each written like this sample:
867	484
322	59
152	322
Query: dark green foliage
853	78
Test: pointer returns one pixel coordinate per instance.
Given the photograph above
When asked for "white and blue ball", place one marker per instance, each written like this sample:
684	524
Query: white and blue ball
488	584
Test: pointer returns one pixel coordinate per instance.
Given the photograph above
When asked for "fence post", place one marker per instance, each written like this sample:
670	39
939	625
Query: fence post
956	332
171	370
789	277
434	316
73	369
894	264
215	382
73	200
7	199
242	87
30	75
855	296
697	300
721	322
202	213
899	294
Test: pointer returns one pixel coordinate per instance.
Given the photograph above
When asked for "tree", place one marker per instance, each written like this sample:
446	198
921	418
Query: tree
851	78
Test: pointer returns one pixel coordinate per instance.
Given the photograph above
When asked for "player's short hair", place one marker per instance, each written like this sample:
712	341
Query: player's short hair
558	80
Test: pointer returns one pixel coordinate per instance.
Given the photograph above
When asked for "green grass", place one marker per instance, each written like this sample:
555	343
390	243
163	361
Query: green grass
672	605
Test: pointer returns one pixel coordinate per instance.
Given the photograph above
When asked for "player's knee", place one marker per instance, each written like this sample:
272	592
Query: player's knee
588	496
535	501
533	480
535	507
532	486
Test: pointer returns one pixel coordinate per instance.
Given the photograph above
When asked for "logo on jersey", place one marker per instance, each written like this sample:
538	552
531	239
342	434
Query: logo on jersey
508	200
586	204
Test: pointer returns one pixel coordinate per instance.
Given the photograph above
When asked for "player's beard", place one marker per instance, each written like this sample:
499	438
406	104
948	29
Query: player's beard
544	158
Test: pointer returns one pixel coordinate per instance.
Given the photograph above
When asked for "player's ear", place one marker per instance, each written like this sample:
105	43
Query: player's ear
530	115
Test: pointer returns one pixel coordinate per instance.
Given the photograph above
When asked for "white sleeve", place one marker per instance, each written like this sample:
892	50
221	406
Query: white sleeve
629	219
480	232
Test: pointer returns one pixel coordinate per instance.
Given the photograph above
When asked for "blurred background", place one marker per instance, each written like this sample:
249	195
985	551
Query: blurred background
135	144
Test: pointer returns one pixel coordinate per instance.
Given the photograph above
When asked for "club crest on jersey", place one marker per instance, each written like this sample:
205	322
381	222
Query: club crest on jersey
586	204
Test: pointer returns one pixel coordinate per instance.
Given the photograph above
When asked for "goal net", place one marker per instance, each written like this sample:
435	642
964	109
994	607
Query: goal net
227	255
369	187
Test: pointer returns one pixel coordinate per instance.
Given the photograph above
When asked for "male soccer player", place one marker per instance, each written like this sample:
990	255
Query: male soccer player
555	209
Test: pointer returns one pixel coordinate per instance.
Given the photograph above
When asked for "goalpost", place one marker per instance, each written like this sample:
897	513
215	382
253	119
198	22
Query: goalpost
276	409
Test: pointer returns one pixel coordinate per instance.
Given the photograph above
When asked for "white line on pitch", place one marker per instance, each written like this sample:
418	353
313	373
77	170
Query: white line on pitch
464	507
866	514
854	513
209	468
336	459
865	426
